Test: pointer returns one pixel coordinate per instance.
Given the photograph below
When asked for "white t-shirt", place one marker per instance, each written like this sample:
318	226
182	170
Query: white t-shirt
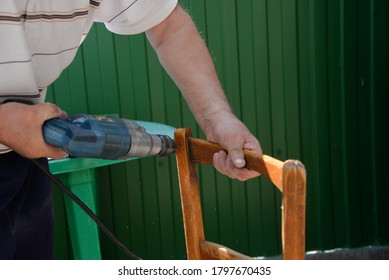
39	39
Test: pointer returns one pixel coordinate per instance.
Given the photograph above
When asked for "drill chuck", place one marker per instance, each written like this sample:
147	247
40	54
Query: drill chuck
145	144
105	137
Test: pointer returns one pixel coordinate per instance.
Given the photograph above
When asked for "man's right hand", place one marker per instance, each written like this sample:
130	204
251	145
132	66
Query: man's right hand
21	129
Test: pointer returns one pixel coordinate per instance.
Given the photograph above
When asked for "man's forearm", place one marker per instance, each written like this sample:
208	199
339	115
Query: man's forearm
185	57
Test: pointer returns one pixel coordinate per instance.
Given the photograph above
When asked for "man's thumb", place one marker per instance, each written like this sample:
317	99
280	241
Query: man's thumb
237	157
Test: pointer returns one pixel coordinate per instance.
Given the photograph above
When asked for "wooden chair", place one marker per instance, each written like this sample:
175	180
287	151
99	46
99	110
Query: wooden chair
289	177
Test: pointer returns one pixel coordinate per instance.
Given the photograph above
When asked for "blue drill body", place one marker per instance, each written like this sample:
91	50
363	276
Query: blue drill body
105	137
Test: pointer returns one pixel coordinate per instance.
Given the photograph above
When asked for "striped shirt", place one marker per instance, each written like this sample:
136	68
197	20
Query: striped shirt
40	38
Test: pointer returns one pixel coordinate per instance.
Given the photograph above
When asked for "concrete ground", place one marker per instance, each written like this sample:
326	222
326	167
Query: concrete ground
365	253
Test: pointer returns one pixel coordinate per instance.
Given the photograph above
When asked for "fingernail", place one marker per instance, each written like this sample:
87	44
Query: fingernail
239	161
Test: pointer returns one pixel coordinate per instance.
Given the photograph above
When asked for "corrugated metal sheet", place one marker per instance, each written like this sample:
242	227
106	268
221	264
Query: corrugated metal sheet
309	78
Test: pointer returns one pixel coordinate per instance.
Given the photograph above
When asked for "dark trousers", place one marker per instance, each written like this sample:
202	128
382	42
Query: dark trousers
26	212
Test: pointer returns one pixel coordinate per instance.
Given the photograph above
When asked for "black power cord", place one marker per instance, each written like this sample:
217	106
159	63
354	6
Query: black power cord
87	210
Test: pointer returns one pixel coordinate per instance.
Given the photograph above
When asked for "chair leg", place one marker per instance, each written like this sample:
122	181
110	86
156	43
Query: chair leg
293	210
189	191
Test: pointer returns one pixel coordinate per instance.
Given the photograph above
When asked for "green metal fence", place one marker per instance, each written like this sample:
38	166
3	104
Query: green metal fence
309	78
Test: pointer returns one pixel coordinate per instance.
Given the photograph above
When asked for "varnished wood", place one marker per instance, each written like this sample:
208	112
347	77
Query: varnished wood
293	210
289	177
214	251
202	151
190	196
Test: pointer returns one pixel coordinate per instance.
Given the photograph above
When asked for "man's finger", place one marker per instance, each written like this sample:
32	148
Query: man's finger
219	160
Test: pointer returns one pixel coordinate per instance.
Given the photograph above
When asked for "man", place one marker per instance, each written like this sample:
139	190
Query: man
38	40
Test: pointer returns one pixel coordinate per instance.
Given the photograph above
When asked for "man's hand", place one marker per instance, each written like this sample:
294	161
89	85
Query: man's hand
234	136
21	129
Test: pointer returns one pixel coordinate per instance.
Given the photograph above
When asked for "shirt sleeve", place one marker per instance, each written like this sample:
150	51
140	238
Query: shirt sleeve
133	16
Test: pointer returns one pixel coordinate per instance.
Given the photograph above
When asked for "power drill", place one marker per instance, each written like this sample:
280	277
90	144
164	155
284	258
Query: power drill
105	137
